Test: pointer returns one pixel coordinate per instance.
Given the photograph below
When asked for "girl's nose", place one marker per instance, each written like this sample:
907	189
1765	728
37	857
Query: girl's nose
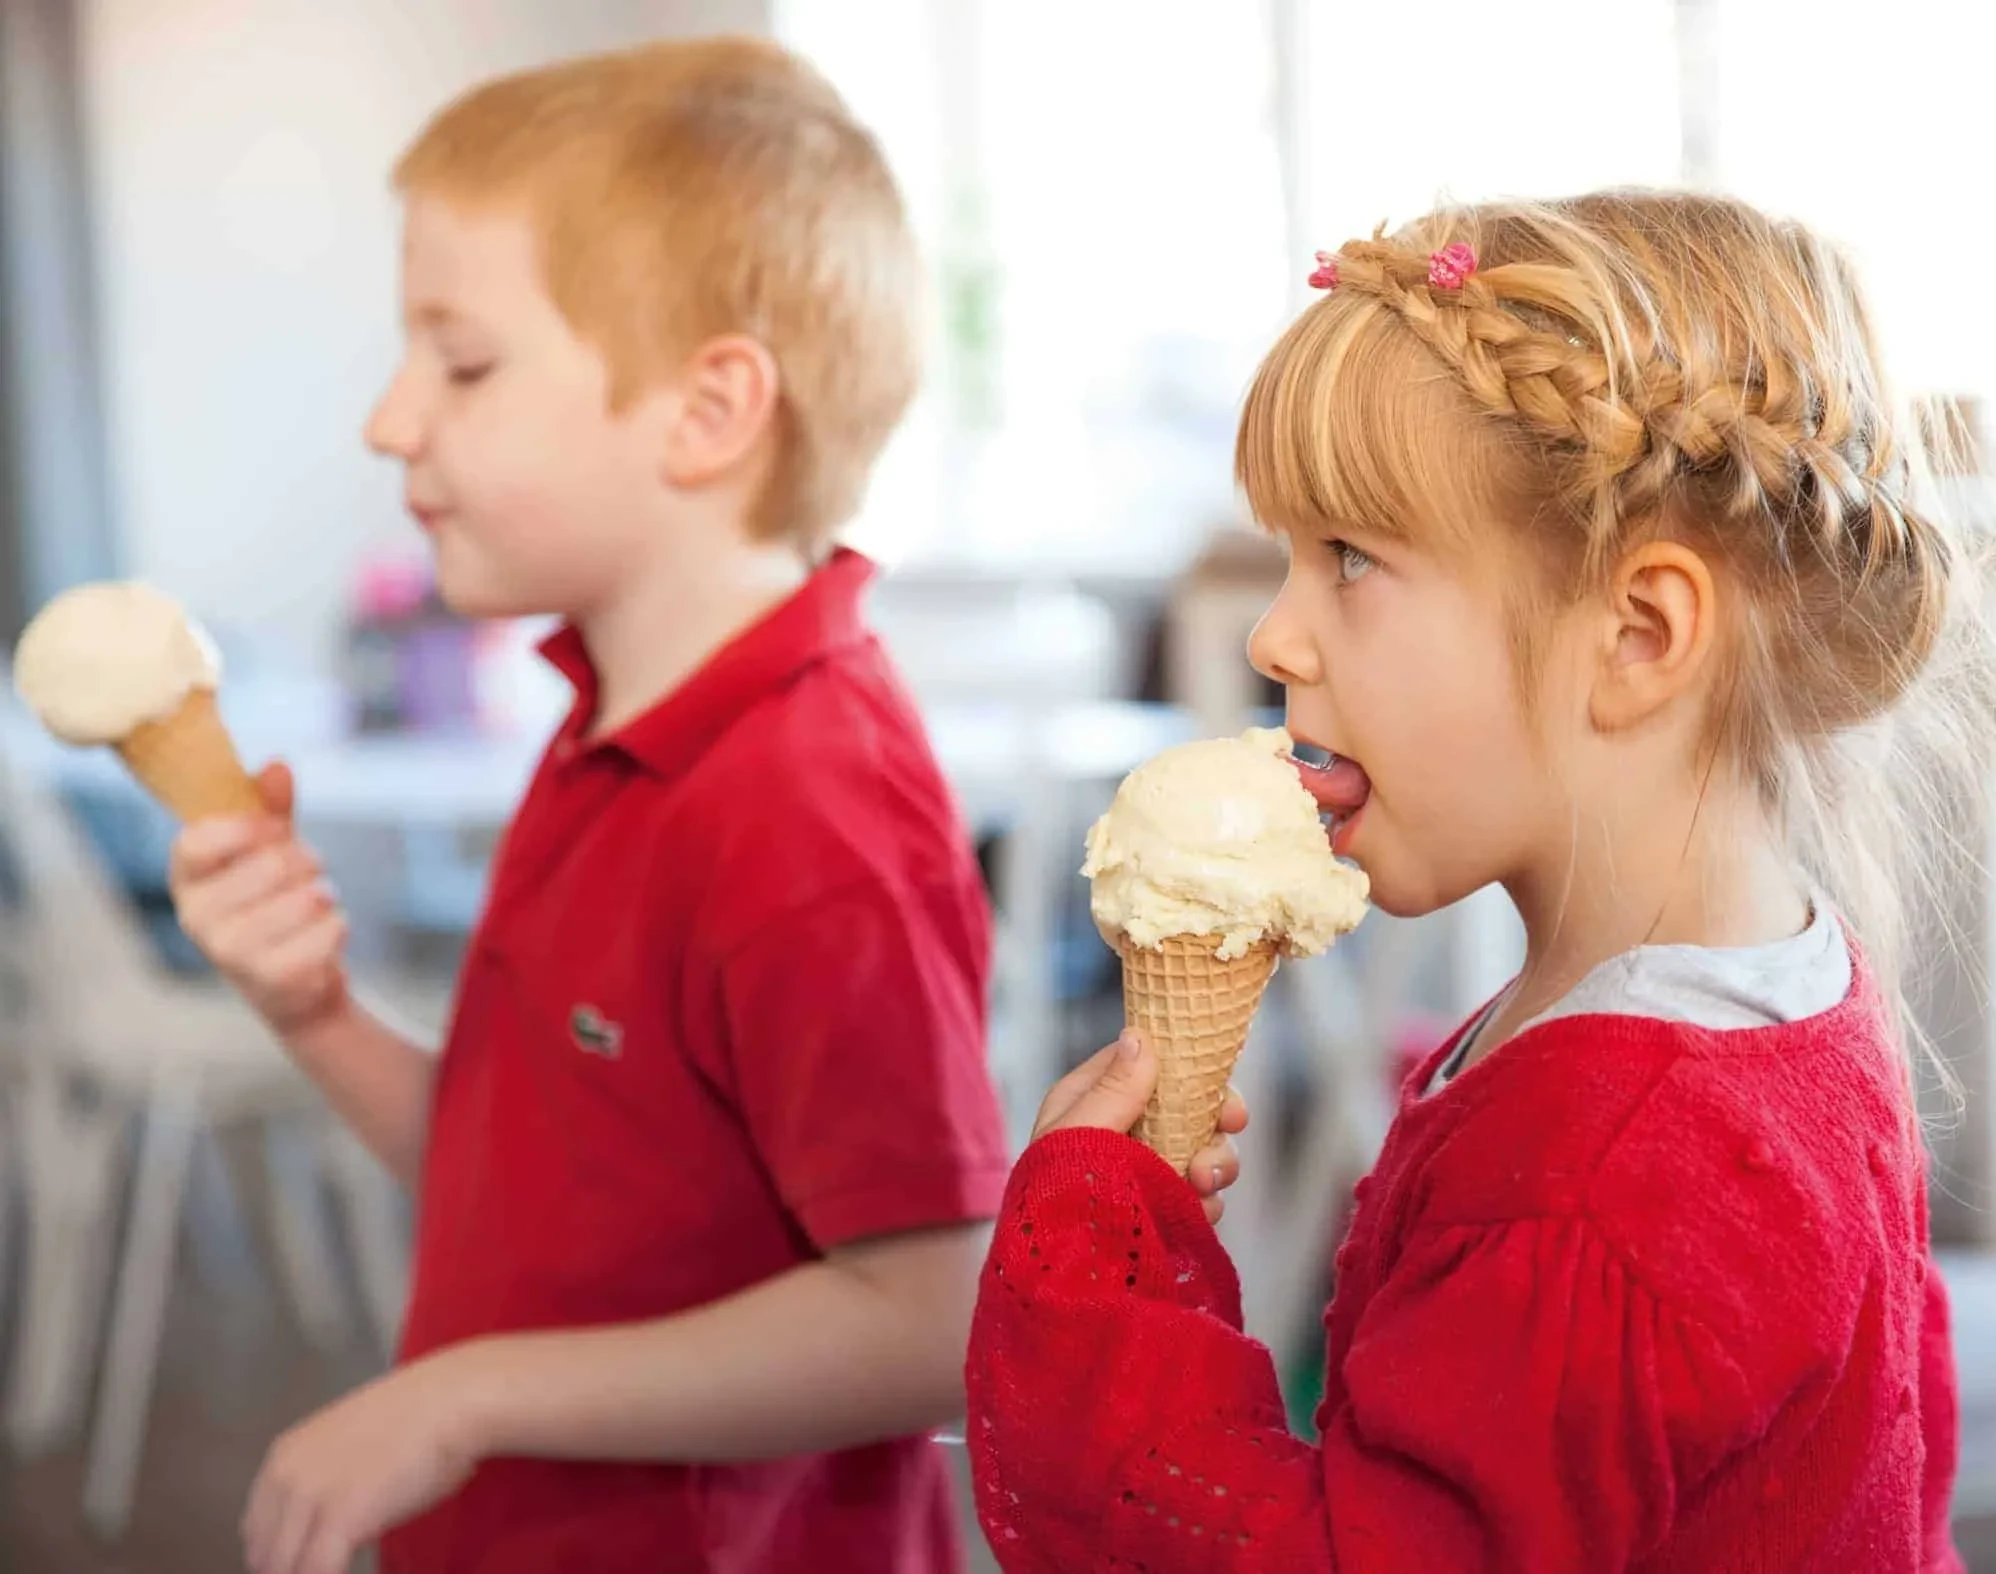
1281	648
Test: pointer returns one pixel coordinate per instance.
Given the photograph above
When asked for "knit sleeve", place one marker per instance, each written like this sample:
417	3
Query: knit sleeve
1940	1417
1512	1398
1108	1326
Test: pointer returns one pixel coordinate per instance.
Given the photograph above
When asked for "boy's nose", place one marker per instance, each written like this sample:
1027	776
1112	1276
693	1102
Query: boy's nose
394	427
382	436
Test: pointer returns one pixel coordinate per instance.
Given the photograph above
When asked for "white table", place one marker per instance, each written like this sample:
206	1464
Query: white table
473	782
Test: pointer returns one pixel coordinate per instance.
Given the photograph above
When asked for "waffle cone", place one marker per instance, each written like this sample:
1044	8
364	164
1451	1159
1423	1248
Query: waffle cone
189	763
1193	1008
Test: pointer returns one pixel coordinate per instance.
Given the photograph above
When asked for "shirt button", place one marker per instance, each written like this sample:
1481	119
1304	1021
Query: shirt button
1881	1159
1758	1156
1920	1271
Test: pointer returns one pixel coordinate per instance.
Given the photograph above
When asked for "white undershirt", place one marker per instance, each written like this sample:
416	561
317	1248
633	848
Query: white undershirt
1718	987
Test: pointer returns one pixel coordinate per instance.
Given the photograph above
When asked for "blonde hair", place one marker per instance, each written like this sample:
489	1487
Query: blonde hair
1631	364
702	187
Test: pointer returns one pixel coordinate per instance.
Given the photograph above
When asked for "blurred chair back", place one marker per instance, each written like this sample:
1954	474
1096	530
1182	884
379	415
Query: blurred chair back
81	941
121	1047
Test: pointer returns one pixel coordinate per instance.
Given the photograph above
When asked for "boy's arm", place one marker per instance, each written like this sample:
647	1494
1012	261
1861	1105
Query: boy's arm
866	1344
850	1037
863	1345
253	899
377	1078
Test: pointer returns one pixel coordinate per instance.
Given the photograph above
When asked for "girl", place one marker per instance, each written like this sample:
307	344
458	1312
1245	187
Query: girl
1611	580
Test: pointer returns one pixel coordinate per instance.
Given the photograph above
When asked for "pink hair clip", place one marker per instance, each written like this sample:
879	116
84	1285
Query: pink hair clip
1448	267
1326	275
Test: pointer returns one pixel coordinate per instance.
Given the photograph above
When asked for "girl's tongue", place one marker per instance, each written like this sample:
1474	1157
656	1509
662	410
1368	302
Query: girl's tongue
1340	786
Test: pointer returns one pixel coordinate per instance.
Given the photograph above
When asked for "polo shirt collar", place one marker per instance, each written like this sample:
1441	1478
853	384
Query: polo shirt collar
820	619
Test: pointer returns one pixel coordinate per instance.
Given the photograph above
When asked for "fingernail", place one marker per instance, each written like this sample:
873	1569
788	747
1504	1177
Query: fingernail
1127	1047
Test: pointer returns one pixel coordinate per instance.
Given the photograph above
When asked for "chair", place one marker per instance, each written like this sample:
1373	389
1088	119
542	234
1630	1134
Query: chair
110	1040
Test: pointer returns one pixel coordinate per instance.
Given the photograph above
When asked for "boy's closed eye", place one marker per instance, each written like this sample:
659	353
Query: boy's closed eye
1354	563
464	376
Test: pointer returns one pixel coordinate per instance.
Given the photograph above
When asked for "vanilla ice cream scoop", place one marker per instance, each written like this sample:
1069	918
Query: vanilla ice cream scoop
1220	838
1211	864
100	660
120	663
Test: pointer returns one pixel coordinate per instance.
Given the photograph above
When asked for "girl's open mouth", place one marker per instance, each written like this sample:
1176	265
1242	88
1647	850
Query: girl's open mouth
1339	785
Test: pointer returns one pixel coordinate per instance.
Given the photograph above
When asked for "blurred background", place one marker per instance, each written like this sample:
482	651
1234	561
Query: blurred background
1119	201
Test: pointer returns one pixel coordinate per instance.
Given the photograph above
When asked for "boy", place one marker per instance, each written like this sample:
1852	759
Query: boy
705	1162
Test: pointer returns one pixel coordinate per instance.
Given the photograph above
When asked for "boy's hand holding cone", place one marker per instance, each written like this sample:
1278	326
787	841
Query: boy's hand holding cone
121	664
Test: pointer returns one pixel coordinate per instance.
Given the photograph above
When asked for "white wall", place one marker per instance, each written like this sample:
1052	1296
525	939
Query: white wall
239	155
1872	122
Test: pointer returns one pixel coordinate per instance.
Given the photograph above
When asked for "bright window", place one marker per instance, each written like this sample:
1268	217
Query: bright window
1465	100
1871	121
1098	186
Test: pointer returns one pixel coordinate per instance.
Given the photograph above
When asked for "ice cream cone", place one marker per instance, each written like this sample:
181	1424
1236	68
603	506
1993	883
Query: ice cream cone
189	763
1193	1008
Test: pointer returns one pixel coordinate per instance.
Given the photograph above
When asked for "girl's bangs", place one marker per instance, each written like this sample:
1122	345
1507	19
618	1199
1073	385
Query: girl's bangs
1352	424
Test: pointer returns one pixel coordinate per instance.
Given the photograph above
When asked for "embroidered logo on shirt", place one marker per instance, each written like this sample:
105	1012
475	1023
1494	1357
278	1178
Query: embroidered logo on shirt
594	1033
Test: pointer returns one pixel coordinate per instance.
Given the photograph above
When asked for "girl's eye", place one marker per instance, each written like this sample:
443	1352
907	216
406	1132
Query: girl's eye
1352	563
465	376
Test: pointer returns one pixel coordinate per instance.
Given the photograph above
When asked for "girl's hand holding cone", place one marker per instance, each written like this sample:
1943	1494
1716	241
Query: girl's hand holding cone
1110	1090
1211	863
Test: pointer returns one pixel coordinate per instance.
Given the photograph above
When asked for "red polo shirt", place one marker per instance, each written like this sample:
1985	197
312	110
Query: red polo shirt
725	1011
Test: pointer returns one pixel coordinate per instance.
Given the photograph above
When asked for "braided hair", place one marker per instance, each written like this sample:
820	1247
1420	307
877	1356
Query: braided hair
1630	364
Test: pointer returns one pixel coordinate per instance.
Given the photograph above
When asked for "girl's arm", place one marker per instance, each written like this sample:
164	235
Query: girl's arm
1512	1399
1108	1326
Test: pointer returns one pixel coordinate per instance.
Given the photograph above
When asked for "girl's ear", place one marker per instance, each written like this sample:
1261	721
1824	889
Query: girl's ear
1657	638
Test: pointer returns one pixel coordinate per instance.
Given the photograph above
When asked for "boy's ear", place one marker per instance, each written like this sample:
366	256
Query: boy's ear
726	398
1657	634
